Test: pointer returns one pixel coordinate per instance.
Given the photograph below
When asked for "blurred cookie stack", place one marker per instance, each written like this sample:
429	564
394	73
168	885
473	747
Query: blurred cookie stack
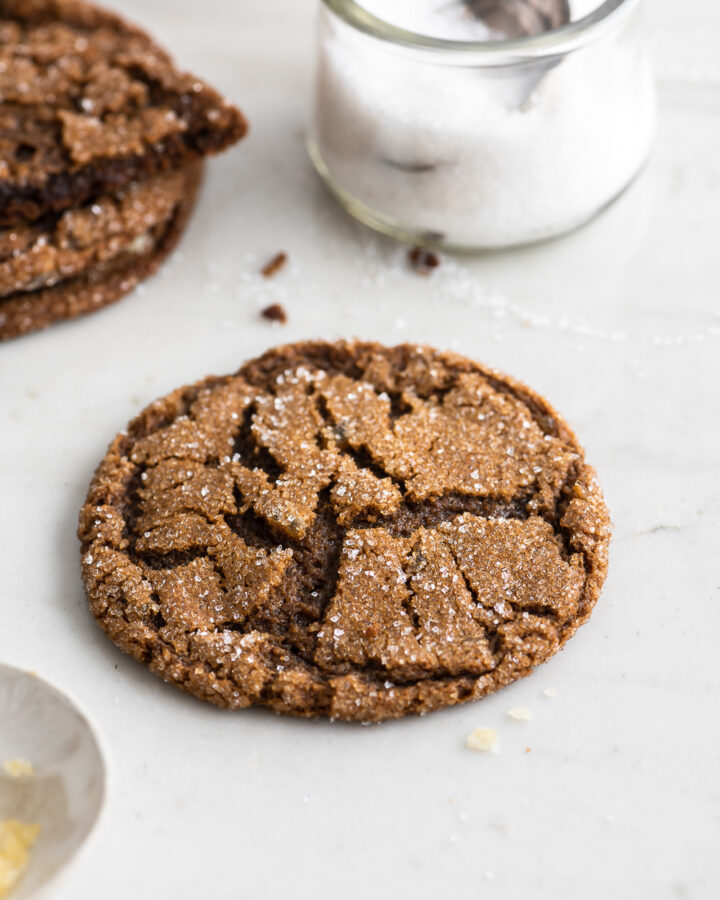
101	148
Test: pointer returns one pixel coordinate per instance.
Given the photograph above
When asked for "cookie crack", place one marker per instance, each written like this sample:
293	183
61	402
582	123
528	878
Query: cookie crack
252	454
381	677
172	559
399	406
561	500
254	529
430	514
364	461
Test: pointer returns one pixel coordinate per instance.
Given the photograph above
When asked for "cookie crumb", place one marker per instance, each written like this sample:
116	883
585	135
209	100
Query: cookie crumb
486	740
18	768
423	260
273	266
551	693
275	313
520	714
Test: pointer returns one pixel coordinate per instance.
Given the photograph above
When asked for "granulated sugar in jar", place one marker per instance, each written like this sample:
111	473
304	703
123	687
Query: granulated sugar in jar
463	124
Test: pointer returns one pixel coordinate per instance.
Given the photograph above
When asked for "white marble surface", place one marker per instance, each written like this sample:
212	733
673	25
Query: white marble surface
619	325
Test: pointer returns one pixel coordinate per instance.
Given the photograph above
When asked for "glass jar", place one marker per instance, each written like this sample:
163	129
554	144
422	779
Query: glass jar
472	145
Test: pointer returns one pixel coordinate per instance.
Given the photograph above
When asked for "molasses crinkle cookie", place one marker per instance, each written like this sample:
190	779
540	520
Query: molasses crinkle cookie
345	530
101	140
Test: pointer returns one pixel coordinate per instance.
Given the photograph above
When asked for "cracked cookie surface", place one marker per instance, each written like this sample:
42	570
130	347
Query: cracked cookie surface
345	530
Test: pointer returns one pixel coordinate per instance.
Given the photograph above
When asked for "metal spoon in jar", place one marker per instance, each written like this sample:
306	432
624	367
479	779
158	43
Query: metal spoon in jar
506	20
520	18
512	19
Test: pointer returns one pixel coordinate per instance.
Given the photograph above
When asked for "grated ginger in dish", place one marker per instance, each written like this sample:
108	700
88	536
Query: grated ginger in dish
16	841
18	768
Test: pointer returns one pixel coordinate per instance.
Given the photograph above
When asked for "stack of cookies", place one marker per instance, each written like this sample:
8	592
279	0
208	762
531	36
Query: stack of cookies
101	148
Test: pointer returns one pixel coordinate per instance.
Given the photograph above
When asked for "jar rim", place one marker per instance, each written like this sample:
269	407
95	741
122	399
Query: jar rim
556	42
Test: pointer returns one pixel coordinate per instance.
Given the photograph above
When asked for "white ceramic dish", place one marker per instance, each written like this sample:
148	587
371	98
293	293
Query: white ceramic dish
67	791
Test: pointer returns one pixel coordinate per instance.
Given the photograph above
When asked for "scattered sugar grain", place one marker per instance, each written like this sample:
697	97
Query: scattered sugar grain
520	714
504	827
